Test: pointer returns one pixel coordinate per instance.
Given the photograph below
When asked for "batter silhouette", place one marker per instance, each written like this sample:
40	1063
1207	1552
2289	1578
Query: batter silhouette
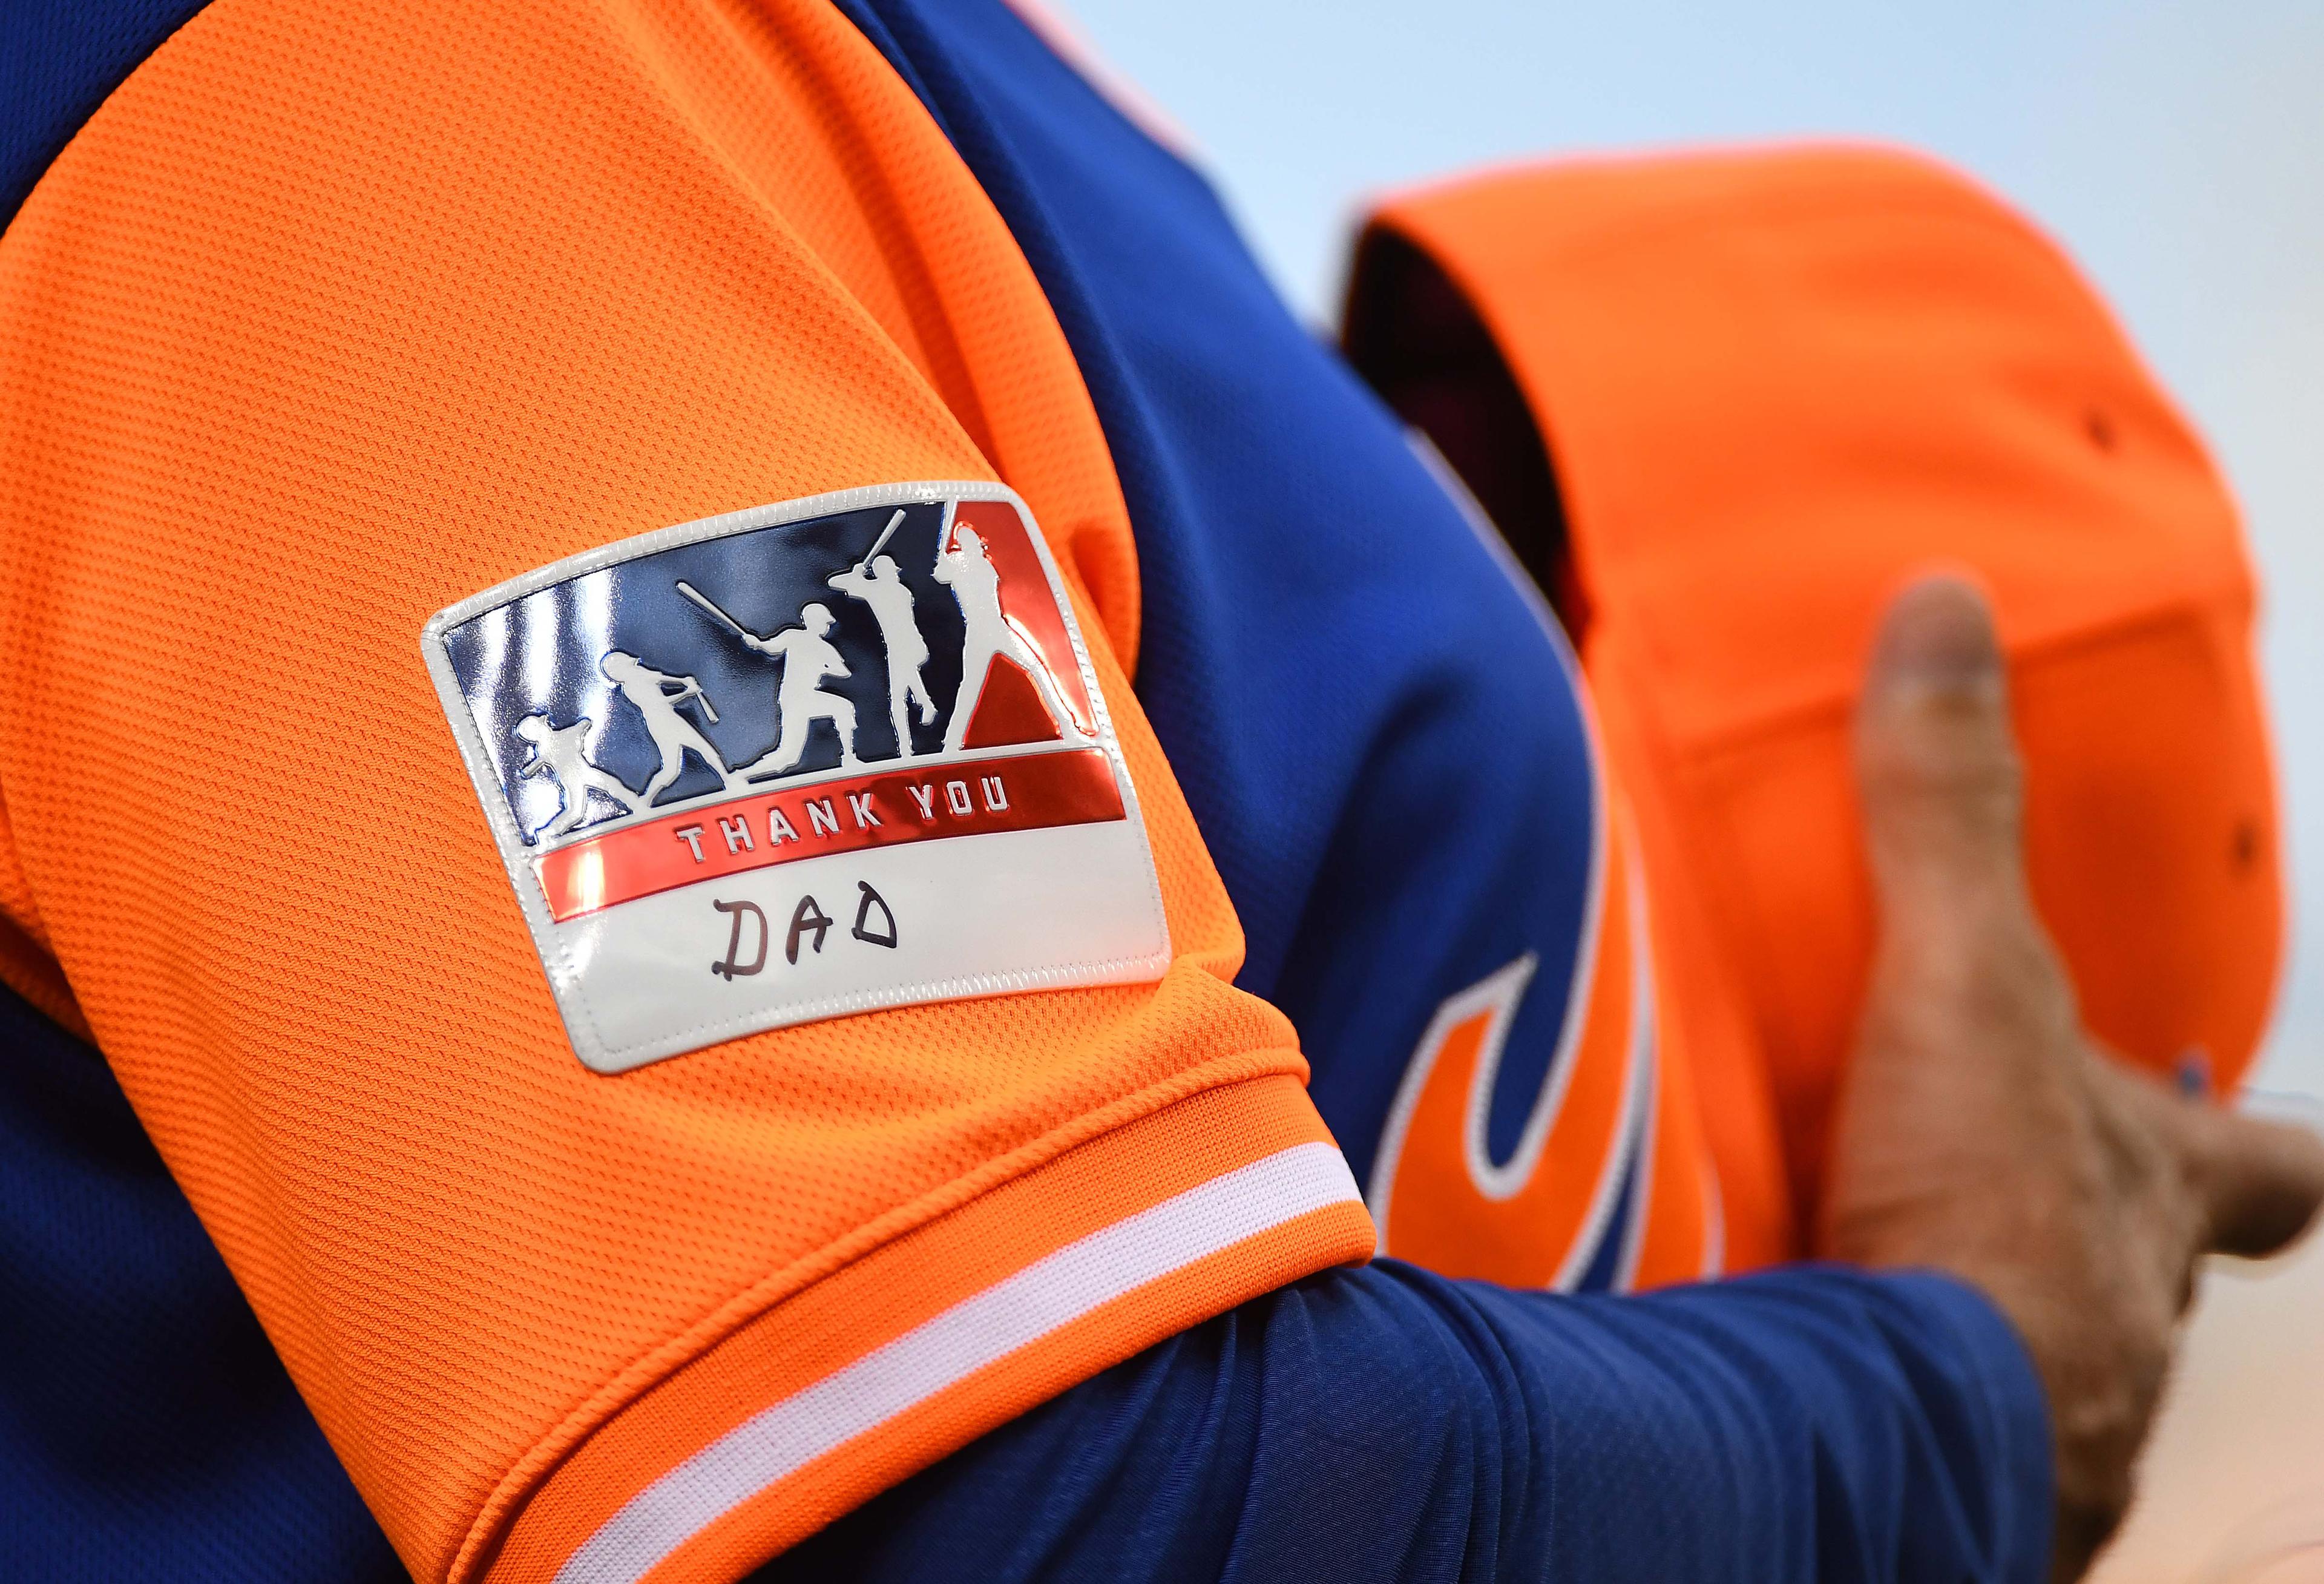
674	736
968	571
807	657
881	588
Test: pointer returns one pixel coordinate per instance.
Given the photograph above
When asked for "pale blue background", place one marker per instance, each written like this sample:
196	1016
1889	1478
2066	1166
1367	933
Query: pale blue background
2177	148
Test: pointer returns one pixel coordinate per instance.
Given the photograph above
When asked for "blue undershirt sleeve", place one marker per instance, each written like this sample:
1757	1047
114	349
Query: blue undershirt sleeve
1805	1424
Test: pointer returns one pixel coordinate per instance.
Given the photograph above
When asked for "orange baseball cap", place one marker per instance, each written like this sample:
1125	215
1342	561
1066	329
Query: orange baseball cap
1724	405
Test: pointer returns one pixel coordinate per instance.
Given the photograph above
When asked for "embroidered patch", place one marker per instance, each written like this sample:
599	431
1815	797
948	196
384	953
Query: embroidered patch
799	762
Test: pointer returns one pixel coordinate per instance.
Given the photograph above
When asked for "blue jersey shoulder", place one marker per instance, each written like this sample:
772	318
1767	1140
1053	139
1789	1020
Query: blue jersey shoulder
57	65
1377	728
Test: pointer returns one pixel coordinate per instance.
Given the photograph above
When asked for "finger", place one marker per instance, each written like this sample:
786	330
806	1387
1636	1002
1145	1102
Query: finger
1936	765
2257	1183
2260	1181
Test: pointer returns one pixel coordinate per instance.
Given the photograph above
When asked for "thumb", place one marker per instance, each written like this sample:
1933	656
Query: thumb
2258	1182
1936	766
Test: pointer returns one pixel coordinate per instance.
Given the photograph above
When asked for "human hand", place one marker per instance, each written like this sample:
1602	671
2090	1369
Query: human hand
1979	1131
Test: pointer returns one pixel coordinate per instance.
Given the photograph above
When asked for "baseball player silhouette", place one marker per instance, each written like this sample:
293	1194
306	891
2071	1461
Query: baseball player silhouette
968	571
882	588
562	754
649	693
807	657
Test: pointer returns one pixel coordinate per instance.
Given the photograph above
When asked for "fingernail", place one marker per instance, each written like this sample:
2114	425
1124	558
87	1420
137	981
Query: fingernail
1939	631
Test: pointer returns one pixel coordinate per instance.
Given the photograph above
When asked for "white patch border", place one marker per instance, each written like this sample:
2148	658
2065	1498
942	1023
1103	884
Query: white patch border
565	979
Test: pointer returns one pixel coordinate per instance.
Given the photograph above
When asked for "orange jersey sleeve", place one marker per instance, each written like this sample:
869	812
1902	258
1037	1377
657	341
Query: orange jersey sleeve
337	336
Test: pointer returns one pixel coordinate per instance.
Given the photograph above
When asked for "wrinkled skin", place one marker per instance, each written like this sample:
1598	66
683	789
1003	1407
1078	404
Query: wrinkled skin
1981	1131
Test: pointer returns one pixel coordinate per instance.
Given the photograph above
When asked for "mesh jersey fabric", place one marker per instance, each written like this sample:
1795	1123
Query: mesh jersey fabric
1384	1423
329	316
147	1428
1398	833
1372	1423
60	65
1254	763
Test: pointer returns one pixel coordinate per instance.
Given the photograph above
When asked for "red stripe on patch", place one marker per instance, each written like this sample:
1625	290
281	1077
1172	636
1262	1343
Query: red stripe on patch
1024	792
